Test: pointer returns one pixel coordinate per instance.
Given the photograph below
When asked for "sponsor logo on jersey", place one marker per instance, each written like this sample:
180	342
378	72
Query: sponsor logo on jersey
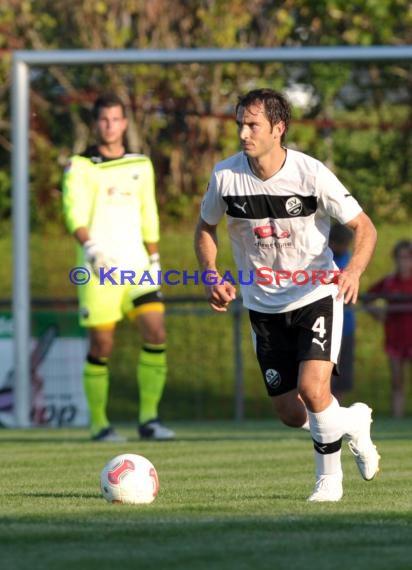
115	191
269	230
272	378
293	206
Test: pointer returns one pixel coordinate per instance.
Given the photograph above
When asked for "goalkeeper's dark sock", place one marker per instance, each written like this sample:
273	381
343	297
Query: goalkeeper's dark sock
151	376
96	387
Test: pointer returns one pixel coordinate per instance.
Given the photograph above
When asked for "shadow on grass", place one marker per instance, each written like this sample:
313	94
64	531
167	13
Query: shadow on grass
57	495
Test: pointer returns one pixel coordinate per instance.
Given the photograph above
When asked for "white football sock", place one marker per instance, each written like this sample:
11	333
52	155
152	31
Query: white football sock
325	428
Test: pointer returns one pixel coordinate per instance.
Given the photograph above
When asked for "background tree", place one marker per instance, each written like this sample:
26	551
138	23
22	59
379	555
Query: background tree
354	117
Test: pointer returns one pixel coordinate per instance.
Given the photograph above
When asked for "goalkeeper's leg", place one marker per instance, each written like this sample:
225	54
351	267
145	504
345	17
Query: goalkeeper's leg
96	381
151	370
96	388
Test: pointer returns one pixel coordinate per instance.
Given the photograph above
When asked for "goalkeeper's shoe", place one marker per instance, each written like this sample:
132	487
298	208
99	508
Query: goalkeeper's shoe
108	435
155	430
328	488
360	443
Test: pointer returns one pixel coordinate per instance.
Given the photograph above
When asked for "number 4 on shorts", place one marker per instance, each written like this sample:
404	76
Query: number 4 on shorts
319	326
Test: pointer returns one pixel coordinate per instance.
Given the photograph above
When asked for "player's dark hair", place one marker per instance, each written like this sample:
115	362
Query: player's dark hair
340	234
276	106
401	245
105	101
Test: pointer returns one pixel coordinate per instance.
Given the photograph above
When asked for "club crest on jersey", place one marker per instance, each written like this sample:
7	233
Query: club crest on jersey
293	206
272	378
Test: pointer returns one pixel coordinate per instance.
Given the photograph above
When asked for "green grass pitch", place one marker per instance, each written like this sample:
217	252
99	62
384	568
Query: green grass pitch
232	496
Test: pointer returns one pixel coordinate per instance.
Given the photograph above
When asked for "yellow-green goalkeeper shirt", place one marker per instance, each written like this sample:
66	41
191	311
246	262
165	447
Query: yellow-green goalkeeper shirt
115	199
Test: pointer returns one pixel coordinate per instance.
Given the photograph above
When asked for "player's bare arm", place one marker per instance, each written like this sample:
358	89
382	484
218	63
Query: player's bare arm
218	295
365	237
81	235
151	247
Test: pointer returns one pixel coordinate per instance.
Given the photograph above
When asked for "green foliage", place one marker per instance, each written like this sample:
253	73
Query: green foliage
182	115
45	194
5	196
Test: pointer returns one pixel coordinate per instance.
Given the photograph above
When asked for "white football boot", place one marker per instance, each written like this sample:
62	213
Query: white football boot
327	488
360	443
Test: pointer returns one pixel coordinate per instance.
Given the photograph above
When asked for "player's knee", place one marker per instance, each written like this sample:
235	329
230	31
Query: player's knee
101	348
316	396
155	336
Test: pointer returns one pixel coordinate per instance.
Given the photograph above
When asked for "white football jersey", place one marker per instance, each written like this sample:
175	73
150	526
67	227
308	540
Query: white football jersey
279	225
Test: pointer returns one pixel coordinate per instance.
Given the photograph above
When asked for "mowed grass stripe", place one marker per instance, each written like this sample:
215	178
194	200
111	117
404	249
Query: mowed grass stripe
233	496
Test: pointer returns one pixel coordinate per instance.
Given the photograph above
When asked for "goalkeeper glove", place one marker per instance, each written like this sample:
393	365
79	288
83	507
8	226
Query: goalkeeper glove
96	257
154	265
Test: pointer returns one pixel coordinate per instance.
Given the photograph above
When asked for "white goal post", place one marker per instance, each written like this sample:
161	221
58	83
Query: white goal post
23	60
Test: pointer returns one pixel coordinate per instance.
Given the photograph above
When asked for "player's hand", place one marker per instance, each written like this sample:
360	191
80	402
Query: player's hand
219	296
96	257
348	285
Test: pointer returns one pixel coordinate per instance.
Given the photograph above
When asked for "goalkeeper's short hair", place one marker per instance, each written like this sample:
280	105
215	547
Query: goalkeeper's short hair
105	101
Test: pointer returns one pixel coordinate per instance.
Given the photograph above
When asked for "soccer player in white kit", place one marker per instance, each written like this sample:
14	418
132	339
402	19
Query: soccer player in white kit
278	203
110	209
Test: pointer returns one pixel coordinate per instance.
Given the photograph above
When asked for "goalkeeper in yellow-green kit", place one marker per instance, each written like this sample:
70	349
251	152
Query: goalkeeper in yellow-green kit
110	208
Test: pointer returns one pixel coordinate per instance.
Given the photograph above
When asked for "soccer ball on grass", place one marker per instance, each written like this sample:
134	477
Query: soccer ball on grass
129	479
